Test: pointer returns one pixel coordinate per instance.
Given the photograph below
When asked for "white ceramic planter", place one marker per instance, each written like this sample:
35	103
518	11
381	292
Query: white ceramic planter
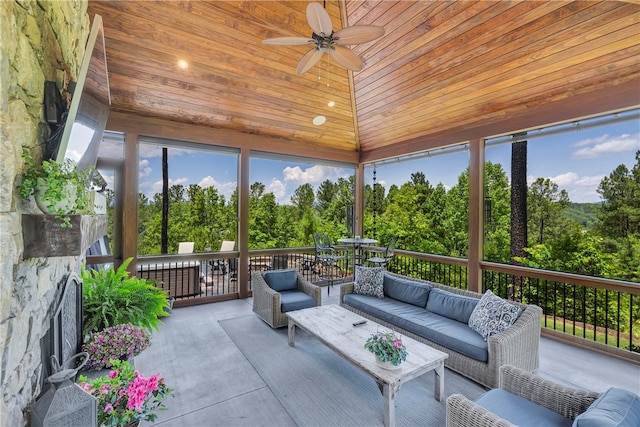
386	364
67	205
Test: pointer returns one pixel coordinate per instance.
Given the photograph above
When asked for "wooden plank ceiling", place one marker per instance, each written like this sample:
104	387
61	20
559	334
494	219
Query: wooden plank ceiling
440	67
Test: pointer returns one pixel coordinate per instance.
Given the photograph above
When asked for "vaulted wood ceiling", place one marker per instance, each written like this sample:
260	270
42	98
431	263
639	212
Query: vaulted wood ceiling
442	68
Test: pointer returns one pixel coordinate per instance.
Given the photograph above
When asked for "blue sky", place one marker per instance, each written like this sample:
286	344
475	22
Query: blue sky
577	161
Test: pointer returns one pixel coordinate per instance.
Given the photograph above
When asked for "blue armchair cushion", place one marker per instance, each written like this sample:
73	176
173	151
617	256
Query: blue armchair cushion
408	291
368	281
281	280
615	407
453	306
520	411
295	300
493	315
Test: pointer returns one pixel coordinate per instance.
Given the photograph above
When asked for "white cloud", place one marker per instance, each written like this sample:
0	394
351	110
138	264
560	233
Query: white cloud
279	190
313	175
581	189
156	187
145	169
606	145
226	188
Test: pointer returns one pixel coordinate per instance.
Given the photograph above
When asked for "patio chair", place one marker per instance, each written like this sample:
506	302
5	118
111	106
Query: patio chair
524	398
185	247
325	262
386	255
276	292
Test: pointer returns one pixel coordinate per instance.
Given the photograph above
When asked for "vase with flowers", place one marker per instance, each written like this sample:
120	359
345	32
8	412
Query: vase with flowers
125	397
119	342
388	349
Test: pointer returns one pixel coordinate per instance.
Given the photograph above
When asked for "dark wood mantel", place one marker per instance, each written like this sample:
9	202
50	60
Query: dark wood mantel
44	237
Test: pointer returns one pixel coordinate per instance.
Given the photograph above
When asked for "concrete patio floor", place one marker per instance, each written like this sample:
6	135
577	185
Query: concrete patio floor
215	385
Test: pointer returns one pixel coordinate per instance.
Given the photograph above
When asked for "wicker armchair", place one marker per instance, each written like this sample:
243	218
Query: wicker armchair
267	302
566	401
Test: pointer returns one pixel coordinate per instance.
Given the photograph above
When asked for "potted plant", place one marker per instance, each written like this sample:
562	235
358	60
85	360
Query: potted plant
111	298
388	349
59	188
119	342
125	397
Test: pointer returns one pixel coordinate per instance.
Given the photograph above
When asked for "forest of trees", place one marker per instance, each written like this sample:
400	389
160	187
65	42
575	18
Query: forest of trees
595	239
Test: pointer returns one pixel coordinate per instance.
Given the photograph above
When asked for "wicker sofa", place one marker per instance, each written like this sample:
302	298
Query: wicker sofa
517	345
282	291
527	399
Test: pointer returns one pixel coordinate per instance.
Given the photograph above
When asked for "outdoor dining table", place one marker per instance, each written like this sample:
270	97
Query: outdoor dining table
357	242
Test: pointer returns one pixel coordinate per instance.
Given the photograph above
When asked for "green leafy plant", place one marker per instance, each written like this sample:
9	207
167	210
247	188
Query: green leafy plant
59	188
125	396
111	298
387	347
117	342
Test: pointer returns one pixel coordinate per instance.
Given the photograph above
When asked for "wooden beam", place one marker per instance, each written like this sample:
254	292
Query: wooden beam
159	128
621	97
130	206
476	215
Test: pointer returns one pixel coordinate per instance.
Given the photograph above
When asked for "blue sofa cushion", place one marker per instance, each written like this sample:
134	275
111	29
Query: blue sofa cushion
295	300
493	315
368	281
441	330
281	280
449	333
453	306
408	291
520	411
615	407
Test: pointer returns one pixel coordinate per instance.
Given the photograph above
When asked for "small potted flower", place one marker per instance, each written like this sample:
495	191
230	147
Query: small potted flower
388	349
125	397
117	342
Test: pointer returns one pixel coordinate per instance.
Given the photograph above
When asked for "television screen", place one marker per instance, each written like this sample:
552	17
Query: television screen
89	109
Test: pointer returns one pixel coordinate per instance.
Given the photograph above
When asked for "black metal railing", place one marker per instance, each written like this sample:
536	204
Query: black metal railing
597	310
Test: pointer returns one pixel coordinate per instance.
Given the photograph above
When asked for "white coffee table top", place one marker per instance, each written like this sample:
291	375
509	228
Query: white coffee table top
333	325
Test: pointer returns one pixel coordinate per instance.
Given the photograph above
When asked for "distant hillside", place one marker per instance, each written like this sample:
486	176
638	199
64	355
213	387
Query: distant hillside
583	213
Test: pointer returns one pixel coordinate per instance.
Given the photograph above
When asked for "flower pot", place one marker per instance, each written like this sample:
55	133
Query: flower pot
386	364
66	205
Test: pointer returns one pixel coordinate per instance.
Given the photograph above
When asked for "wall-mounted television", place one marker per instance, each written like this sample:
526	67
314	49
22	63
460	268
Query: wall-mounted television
89	109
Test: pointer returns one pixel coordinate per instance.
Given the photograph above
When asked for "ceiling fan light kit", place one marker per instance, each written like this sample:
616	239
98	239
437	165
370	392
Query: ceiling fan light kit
326	40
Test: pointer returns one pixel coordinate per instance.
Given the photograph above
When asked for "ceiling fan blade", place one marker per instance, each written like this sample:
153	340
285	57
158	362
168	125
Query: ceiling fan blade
309	60
346	58
358	34
319	20
289	41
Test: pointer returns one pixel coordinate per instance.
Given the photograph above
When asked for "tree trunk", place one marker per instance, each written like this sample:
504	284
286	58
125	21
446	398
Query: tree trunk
518	208
164	236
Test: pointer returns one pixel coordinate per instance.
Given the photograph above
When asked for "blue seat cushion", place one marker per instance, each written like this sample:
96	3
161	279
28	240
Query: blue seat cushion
520	411
295	300
615	407
449	333
404	290
281	280
453	306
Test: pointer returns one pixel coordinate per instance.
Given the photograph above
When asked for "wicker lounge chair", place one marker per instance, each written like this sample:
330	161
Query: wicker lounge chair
565	401
272	304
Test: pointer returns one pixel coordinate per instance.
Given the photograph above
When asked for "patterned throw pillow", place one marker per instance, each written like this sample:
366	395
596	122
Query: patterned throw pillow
493	315
369	281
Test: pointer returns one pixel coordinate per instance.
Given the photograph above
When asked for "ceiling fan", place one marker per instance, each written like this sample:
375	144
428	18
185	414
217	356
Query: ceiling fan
326	40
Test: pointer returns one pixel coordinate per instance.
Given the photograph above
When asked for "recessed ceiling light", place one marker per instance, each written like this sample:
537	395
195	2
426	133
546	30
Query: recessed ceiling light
183	64
318	120
331	103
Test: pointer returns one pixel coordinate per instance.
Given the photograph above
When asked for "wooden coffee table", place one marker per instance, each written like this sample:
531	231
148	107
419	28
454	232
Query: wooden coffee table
333	325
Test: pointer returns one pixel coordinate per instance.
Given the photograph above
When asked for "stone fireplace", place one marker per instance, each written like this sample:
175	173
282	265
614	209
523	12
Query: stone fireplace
41	40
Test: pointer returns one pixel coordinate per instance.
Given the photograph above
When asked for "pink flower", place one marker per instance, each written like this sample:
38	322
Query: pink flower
113	374
108	407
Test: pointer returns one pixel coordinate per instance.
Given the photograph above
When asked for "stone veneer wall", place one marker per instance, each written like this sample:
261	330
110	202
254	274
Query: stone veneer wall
40	40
